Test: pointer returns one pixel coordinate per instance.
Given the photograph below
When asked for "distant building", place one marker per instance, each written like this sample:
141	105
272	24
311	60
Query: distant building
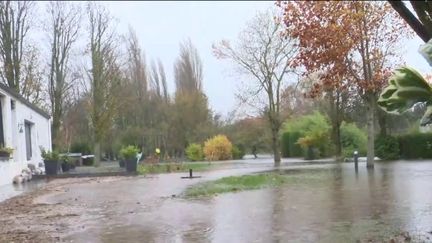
24	128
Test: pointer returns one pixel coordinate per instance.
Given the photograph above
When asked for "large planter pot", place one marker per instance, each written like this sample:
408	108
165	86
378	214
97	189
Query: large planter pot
4	154
51	167
121	163
65	167
131	165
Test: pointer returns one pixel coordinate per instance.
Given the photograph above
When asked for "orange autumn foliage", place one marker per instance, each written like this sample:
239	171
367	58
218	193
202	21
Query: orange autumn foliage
352	43
218	148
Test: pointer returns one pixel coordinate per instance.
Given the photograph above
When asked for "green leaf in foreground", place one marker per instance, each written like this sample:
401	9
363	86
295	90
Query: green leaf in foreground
406	88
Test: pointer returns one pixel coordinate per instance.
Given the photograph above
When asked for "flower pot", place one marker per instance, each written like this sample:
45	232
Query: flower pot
131	165
4	154
51	167
65	167
121	163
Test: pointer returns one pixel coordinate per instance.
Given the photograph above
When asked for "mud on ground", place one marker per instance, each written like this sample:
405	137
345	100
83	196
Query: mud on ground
26	218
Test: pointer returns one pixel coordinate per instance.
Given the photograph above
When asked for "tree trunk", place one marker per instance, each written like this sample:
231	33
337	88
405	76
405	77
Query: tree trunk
55	132
97	153
337	139
276	147
334	113
370	131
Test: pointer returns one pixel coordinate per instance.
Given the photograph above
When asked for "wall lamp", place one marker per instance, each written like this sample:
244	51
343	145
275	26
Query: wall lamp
20	127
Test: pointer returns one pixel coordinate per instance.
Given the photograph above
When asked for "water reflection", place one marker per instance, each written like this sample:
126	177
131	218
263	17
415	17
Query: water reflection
12	190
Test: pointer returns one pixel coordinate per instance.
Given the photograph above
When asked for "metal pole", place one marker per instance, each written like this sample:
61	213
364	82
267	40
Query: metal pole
356	160
190	173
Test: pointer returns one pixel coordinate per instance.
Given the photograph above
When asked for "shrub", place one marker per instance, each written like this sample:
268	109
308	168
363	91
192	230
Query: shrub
129	152
218	148
81	147
285	145
416	146
194	152
387	147
307	131
290	147
237	152
352	139
88	161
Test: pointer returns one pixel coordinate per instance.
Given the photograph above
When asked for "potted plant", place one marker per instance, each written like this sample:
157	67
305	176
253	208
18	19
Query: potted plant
121	162
51	161
5	152
65	163
72	164
129	156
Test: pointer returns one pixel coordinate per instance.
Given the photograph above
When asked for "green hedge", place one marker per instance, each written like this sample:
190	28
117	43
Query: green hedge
416	146
238	151
285	145
387	147
290	148
352	139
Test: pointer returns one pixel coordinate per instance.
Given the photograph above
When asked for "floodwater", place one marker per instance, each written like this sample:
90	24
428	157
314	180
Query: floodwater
342	205
12	190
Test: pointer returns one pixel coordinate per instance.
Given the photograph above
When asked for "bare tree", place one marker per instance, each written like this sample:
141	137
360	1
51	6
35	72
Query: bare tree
191	110
266	55
188	69
163	80
14	26
63	32
155	79
105	75
137	67
32	87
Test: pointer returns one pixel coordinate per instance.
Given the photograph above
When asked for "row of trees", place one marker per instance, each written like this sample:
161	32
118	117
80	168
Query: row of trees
128	98
107	94
344	52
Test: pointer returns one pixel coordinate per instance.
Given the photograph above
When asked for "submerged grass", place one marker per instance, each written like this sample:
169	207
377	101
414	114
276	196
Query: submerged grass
255	181
235	183
144	169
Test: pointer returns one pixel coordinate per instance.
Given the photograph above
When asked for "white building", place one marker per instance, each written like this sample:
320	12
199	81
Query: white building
23	127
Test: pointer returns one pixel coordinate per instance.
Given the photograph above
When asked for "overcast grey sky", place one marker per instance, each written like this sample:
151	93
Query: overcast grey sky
161	26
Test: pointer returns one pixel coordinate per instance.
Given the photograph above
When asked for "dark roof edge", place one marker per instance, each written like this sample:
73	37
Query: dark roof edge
19	97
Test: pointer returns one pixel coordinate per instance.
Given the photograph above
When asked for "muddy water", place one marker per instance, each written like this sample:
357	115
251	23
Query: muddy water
11	190
341	206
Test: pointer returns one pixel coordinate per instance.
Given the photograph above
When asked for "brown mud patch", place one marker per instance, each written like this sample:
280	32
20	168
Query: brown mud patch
27	218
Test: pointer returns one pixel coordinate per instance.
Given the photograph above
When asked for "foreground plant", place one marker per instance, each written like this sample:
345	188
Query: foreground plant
408	87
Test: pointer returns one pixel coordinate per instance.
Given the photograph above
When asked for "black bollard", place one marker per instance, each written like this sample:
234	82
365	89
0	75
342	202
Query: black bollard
190	175
356	160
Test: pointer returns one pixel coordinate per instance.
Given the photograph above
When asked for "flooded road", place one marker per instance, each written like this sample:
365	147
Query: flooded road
335	205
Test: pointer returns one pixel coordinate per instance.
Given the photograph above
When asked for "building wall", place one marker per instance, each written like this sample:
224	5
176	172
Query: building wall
13	122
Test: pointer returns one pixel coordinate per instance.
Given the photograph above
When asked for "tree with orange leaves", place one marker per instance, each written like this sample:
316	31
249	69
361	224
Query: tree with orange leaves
353	44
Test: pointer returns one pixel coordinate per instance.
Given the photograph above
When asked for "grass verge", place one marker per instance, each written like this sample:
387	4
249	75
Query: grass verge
144	169
235	183
256	181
